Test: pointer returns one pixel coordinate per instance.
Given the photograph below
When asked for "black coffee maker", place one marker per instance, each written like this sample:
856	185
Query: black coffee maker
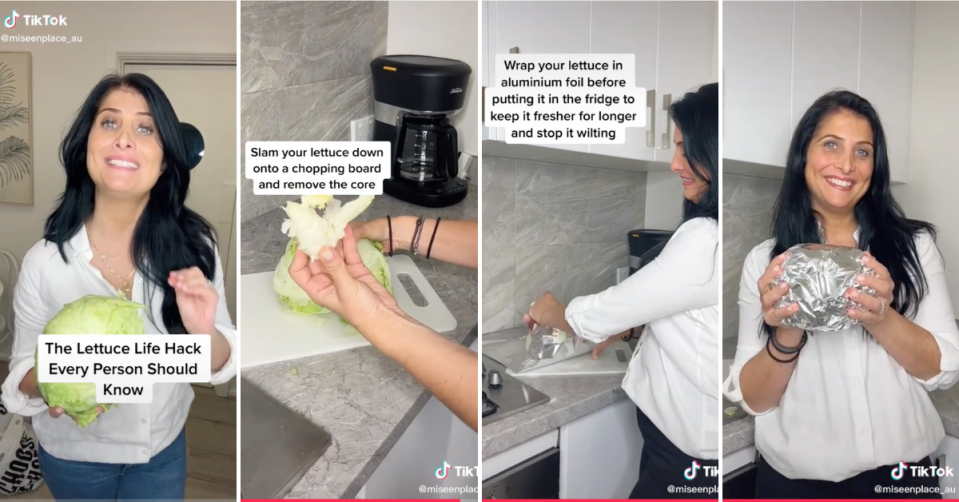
413	99
644	246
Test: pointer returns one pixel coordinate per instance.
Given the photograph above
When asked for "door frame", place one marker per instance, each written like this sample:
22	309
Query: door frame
190	59
173	59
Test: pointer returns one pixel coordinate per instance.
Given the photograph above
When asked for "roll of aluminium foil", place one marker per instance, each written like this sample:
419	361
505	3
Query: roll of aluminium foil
819	276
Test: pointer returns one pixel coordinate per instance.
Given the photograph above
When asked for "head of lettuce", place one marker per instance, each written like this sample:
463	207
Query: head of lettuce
311	232
90	315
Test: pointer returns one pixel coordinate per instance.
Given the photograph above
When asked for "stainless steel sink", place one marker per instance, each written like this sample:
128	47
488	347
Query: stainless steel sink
277	447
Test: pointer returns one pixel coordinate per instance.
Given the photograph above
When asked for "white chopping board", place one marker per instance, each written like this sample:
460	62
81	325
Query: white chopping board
272	333
608	363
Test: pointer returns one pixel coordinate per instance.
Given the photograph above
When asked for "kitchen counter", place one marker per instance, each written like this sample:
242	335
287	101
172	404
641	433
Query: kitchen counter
571	398
364	399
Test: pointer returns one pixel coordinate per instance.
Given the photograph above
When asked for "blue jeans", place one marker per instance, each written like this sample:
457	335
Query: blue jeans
163	478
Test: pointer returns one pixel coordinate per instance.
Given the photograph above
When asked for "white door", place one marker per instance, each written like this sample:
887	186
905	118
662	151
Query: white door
205	96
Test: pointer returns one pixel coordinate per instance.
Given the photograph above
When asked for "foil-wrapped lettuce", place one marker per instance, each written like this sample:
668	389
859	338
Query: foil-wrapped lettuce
819	276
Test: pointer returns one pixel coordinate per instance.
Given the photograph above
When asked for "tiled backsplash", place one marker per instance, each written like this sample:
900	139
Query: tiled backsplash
305	75
747	216
551	227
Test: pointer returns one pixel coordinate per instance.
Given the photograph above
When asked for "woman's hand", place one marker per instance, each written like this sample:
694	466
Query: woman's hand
543	307
770	294
548	311
598	349
57	411
877	306
197	300
339	281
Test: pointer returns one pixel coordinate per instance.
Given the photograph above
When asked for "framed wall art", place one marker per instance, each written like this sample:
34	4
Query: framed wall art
16	129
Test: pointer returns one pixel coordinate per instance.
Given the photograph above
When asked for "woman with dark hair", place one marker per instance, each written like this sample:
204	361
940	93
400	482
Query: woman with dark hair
837	412
121	226
672	377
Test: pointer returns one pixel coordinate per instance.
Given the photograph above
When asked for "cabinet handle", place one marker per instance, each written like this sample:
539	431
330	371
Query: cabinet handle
651	130
667	140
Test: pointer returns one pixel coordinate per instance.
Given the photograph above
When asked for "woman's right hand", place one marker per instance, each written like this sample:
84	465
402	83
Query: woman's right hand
769	295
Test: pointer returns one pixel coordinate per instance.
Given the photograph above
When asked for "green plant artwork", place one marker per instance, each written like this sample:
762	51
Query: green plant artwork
16	162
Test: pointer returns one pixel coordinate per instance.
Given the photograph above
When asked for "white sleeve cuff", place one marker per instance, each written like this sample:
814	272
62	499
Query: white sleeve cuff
578	306
228	371
948	366
14	400
733	392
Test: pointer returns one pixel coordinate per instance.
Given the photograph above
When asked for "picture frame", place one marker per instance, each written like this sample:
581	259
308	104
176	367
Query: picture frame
16	129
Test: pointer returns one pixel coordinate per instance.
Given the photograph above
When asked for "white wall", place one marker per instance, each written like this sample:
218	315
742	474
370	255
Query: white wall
930	194
63	75
442	29
664	201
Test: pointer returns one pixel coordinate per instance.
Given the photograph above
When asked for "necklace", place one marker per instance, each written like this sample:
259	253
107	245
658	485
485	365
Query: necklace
126	288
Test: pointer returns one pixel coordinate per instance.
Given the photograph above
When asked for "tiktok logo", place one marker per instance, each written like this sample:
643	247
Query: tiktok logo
11	20
691	472
442	471
899	472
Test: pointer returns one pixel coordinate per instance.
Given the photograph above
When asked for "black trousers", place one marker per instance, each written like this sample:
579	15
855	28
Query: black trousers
770	484
662	469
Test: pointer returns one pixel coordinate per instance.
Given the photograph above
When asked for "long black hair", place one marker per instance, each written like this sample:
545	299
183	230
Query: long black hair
168	235
884	229
697	116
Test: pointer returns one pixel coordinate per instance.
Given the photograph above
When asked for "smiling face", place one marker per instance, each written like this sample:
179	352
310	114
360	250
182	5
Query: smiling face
124	154
693	187
839	162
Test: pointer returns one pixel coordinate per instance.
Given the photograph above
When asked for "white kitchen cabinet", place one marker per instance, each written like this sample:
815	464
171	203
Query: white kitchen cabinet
673	44
885	74
623	28
779	57
539	28
757	75
599	454
684	63
825	52
948	456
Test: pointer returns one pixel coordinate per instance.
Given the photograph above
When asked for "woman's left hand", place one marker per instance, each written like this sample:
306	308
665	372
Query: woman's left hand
197	300
879	305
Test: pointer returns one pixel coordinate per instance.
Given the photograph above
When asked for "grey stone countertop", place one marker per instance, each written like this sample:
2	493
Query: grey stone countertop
365	400
741	433
571	397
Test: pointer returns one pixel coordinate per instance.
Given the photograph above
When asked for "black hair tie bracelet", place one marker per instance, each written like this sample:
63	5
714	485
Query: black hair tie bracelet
430	248
389	224
785	350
